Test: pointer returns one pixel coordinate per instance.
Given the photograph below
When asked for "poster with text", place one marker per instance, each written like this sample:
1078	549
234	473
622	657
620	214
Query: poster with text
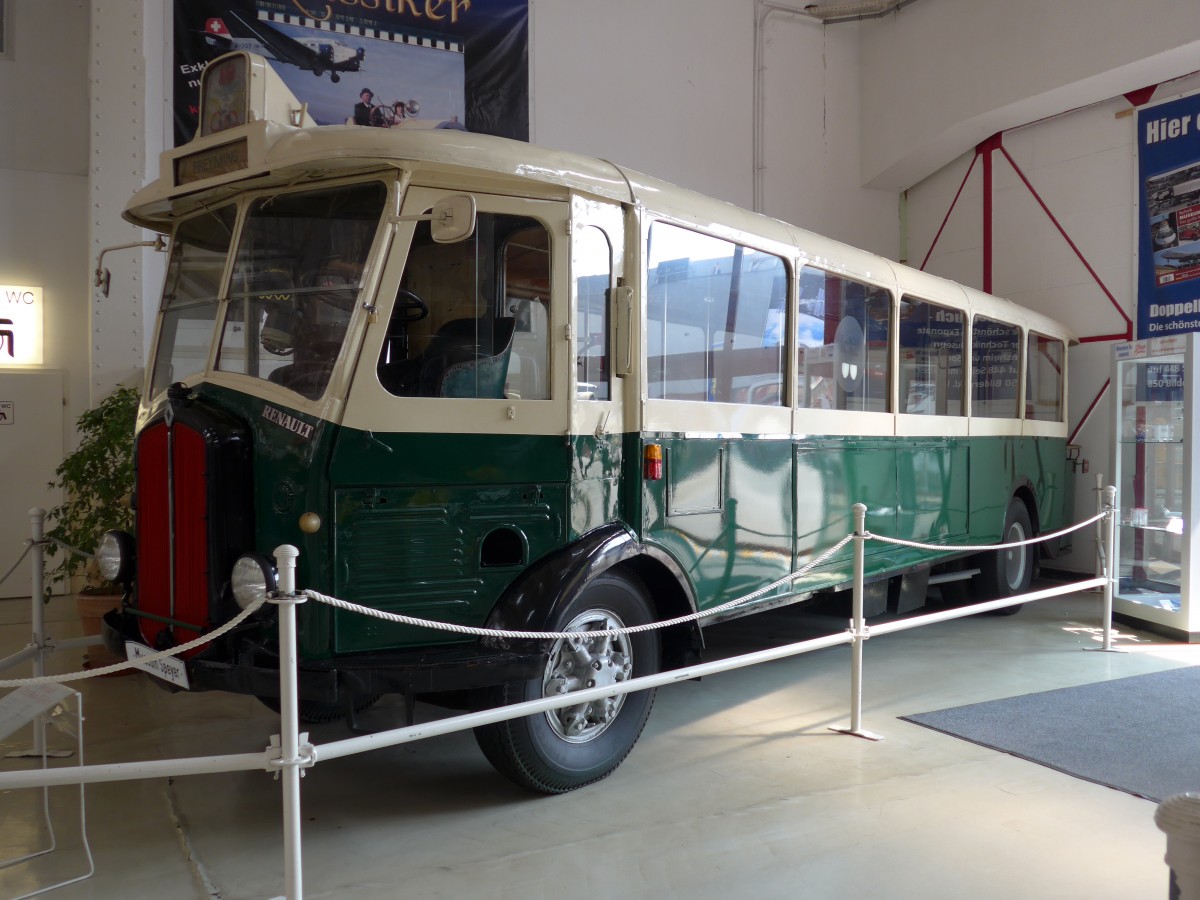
461	64
1169	220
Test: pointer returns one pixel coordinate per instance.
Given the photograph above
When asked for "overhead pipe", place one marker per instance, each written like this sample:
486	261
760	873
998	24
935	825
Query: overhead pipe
852	10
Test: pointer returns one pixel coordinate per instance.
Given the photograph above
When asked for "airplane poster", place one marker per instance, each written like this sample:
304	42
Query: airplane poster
1169	222
459	64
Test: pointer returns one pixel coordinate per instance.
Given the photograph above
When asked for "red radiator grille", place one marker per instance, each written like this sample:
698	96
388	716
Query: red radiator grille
186	448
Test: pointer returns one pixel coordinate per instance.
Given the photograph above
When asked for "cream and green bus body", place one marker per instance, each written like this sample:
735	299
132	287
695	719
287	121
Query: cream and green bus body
602	400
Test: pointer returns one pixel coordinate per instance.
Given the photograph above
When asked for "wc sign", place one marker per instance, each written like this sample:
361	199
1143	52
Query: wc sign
20	325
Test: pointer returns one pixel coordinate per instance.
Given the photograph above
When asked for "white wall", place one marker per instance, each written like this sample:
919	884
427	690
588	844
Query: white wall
43	180
942	75
668	88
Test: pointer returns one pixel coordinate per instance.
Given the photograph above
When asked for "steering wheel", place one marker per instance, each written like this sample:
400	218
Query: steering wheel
409	307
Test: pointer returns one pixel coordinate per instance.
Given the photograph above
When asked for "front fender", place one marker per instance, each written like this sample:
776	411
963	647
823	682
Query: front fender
531	602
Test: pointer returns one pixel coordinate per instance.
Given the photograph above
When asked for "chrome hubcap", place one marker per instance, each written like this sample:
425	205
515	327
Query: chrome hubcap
584	662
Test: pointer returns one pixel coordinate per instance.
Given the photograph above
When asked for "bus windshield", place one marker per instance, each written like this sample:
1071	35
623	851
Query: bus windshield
296	277
191	296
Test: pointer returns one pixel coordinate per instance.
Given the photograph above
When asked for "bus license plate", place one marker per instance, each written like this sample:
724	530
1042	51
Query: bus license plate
168	668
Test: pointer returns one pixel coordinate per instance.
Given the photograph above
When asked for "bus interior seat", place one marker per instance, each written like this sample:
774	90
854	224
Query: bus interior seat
464	359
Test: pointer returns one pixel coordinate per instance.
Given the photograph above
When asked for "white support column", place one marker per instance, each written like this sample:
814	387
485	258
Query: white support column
126	75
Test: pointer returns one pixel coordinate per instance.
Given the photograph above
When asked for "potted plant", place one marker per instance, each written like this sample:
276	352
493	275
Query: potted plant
97	480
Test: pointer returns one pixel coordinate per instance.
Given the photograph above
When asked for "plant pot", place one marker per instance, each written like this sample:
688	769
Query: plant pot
91	609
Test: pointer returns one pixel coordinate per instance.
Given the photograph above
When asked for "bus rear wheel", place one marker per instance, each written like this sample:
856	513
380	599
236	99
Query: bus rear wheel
563	749
1009	572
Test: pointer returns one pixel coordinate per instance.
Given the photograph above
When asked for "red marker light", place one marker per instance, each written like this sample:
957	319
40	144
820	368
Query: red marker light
652	462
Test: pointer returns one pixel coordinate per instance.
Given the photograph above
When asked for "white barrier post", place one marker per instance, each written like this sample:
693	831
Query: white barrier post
1179	817
858	627
1111	551
37	531
286	601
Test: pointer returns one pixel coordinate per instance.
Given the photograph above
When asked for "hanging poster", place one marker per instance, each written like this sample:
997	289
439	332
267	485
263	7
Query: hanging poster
459	64
1169	219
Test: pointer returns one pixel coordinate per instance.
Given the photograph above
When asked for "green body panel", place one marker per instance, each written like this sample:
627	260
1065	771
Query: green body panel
439	525
727	507
596	496
421	551
724	510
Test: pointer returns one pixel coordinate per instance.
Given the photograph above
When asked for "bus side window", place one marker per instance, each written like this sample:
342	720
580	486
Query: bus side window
995	368
1044	379
715	315
842	332
471	319
931	358
591	272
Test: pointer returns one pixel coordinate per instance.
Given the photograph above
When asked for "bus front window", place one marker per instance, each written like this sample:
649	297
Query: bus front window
190	297
295	281
471	319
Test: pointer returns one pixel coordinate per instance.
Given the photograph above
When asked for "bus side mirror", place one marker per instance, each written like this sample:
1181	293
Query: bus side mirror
453	219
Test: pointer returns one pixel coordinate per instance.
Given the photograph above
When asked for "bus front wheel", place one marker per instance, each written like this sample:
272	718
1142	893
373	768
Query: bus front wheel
1007	573
563	749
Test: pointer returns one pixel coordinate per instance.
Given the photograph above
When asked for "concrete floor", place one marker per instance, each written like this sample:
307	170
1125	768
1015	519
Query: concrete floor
736	789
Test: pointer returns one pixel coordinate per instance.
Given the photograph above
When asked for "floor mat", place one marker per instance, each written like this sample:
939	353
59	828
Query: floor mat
1139	734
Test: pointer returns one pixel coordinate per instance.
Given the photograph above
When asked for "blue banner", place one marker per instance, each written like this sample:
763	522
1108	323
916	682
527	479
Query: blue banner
1169	218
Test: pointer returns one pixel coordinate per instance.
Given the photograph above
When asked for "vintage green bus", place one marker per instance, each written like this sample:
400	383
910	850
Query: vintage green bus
481	382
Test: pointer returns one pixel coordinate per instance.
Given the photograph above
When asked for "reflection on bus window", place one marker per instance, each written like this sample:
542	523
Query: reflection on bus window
1044	379
472	319
591	267
842	332
715	319
995	369
191	295
931	358
295	282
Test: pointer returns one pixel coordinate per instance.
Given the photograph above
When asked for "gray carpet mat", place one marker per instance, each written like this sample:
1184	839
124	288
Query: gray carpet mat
1139	734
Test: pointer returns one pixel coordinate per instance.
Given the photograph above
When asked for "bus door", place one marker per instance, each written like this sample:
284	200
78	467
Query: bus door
601	311
450	476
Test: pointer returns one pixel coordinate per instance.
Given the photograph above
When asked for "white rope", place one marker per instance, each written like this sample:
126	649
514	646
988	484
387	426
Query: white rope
563	635
976	547
72	550
526	635
141	661
24	553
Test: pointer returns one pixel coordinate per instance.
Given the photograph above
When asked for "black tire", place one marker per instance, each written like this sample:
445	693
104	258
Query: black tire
1007	573
564	749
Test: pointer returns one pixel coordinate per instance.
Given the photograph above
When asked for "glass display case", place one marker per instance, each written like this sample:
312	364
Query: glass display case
1154	432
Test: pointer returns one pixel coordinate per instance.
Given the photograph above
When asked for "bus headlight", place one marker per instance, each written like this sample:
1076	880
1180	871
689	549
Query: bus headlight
253	577
115	557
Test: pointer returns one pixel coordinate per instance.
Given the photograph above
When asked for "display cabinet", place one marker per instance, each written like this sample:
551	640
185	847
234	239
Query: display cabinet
1155	431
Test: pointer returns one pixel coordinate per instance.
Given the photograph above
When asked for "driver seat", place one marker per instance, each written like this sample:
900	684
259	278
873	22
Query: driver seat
468	358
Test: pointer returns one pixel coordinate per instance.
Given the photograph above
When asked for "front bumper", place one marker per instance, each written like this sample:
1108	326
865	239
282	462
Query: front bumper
240	665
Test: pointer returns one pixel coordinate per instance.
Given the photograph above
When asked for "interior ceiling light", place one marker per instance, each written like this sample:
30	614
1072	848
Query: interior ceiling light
831	11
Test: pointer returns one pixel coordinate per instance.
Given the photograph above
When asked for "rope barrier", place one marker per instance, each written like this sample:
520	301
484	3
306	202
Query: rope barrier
519	635
981	547
567	635
137	664
24	553
74	551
